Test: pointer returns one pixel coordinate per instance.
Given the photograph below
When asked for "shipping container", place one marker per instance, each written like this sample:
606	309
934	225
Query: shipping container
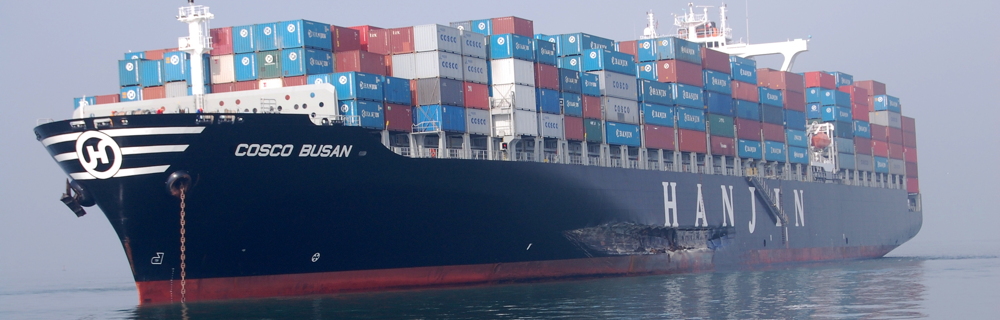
577	43
475	70
515	25
722	126
128	72
222	41
484	26
772	132
909	154
749	149
590	84
873	87
820	79
613	84
297	62
571	62
885	103
613	61
569	81
439	118
512	71
686	95
592	107
834	98
912	185
367	114
798	155
896	151
397	91
141	55
911	169
304	33
846	161
522	97
834	113
109	98
795	120
862	129
680	72
593	130
620	110
150	93
690	119
266	36
177	67
243	39
862	145
630	47
722	146
647	71
745	91
477	121
715	60
270	83
403	65
886	118
435	37
881	164
668	48
844	145
574	128
441	91
655	92
246	85
880	148
474	45
354	85
504	46
572	104
656	114
525	123
744	70
747	109
859	111
775	151
157	54
841	79
716	81
772	115
545	52
546	76
84	102
556	39
344	39
794	100
844	129
658	137
222	69
380	41
476	95
692	141
770	97
131	93
550	125
748	129
435	64
719	103
897	166
269	64
909	139
174	90
547	101
781	80
796	138
360	61
398	117
864	162
150	73
814	111
908	124
858	94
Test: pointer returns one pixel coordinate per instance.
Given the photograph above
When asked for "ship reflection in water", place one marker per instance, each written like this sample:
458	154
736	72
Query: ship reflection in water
879	288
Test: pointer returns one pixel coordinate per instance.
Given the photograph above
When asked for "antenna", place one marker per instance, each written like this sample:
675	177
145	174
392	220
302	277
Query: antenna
747	7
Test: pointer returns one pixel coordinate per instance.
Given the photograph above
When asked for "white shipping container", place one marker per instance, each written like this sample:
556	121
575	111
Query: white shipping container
474	70
404	66
435	37
270	83
474	44
477	121
620	110
176	89
517	123
551	125
222	69
522	97
886	118
617	85
864	162
512	71
434	64
897	166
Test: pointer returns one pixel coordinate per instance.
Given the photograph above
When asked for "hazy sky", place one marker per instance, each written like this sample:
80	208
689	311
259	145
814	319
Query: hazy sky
941	58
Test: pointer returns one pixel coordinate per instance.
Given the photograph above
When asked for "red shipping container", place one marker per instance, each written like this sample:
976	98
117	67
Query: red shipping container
360	61
157	54
546	76
574	128
895	151
880	149
108	98
476	95
862	145
874	88
908	124
780	80
388	65
379	41
150	93
630	47
909	139
858	94
859	111
723	146
748	129
773	132
911	169
294	81
364	31
795	100
692	141
715	60
514	25
879	133
413	93
222	41
745	91
912	185
398	117
894	135
246	85
679	72
658	137
345	39
910	154
820	79
401	40
592	107
223	87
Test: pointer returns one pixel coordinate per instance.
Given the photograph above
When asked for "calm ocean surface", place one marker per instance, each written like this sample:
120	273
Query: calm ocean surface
945	287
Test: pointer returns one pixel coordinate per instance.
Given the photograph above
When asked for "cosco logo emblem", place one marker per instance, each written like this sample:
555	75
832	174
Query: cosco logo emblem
130	94
572	62
130	67
593	55
244	33
664	43
94	157
174	60
267	31
245	61
482	26
666	66
269	58
647	68
645	45
343	80
318	80
291	56
344	108
572	39
291	27
500	41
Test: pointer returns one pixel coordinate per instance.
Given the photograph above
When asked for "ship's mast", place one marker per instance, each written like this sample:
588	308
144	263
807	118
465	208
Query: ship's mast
650	31
197	43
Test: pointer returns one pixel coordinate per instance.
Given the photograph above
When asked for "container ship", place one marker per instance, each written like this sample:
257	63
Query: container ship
299	157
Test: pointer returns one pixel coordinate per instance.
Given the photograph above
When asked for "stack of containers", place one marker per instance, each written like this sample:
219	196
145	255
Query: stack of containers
719	102
583	99
512	79
886	112
619	99
272	55
909	128
360	97
433	63
827	104
571	96
791	88
679	63
746	105
862	128
350	55
547	90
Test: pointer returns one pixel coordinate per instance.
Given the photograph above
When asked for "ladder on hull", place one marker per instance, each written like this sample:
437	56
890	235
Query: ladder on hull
767	196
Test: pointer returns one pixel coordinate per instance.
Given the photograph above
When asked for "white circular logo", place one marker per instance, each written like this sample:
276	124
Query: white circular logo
245	61
572	62
344	108
593	55
291	27
96	159
482	26
269	58
129	66
827	93
267	31
879	99
174	60
342	80
663	43
292	56
666	66
645	45
244	33
315	257
318	80
130	94
500	41
647	68
572	39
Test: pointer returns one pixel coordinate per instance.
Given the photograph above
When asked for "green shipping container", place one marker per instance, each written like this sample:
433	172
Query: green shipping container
721	126
269	64
593	130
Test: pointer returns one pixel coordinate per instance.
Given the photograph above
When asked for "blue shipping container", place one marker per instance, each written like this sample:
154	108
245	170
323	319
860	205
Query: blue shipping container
835	98
547	101
361	113
814	111
862	129
135	55
245	66
657	114
749	149
833	113
358	85
591	84
887	102
577	43
397	90
511	45
151	73
844	145
842	79
569	81
844	129
572	63
599	59
798	155
814	95
691	119
881	165
131	93
796	138
774	151
299	61
435	117
717	81
304	33
84	101
646	70
747	109
743	69
243	40
545	52
484	26
719	103
655	92
128	72
623	134
668	48
770	97
795	119
772	114
177	66
556	39
266	36
572	104
686	95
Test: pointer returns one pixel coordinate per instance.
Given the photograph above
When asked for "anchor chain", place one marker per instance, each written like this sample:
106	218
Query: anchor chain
183	247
